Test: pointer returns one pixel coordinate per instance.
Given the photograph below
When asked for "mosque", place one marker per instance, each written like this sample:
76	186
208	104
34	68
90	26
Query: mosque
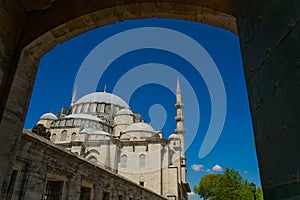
101	128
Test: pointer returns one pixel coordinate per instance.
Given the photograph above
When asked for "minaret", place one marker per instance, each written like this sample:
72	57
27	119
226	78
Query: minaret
180	130
73	97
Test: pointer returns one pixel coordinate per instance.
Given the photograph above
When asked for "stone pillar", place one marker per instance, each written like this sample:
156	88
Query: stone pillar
269	36
36	181
12	17
74	187
99	189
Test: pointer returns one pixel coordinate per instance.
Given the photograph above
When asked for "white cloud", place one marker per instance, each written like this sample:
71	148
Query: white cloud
208	170
191	194
245	172
217	168
197	167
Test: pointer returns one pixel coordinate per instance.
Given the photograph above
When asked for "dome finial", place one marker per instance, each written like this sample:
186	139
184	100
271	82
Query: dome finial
105	88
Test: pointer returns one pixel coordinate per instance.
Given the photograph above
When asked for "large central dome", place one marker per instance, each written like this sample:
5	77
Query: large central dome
103	97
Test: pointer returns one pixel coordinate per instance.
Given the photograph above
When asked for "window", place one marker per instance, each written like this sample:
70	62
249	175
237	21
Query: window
77	122
142	161
70	122
54	189
74	109
106	196
63	136
124	161
79	107
93	107
92	124
142	183
107	108
73	137
85	193
85	108
105	128
98	126
100	107
53	137
133	148
62	123
116	109
56	123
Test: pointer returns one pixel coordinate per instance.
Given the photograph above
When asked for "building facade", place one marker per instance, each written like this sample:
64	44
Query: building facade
43	170
101	128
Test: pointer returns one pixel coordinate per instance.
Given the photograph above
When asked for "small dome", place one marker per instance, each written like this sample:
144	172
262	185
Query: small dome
124	111
172	136
102	97
48	116
140	126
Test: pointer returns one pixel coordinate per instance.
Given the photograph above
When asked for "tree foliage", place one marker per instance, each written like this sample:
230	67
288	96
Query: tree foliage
41	130
227	186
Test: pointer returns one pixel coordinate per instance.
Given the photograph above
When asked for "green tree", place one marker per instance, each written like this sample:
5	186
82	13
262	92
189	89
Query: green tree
41	130
227	186
207	186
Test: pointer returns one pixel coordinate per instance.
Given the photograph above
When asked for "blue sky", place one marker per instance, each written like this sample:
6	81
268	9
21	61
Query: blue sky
146	78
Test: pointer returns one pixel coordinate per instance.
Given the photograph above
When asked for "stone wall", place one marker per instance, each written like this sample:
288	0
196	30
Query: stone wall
39	161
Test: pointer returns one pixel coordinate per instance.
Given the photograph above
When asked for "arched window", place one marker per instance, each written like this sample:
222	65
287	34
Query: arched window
53	137
74	109
107	108
124	161
85	108
79	108
63	136
142	161
93	107
73	137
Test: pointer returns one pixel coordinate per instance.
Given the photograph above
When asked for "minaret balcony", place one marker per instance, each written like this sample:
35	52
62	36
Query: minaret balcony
179	105
180	130
179	118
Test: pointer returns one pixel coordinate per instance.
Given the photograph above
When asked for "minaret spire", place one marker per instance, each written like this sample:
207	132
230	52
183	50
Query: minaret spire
179	107
74	96
178	89
180	131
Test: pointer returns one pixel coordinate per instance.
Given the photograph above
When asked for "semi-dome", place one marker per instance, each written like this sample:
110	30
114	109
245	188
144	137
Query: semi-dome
140	126
102	97
48	116
125	111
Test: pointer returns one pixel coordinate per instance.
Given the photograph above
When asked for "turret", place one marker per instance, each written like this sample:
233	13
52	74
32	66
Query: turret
73	97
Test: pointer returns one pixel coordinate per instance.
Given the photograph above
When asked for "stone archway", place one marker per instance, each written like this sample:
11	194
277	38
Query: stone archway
30	28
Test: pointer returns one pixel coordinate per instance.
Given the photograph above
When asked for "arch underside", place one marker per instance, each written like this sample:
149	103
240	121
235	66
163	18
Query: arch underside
41	37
